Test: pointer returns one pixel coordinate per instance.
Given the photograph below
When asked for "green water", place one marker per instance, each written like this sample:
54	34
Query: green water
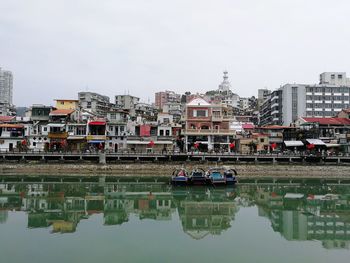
158	223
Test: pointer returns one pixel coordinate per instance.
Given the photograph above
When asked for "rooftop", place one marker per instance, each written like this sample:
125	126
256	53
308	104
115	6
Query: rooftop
61	112
328	121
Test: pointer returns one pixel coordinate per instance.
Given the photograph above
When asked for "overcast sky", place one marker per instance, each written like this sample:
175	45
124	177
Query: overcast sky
56	48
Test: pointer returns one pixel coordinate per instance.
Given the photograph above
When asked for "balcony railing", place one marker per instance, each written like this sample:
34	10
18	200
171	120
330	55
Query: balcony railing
207	131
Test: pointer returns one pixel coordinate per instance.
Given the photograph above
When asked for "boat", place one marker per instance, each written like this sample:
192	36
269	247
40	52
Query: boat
221	176
180	177
198	177
230	175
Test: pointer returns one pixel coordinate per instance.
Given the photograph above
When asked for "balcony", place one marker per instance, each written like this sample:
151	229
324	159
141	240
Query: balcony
58	135
216	118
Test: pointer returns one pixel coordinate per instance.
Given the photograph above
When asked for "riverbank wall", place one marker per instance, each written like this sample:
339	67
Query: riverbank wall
166	169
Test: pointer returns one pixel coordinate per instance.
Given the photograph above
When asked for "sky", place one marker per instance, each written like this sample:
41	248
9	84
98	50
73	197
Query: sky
57	48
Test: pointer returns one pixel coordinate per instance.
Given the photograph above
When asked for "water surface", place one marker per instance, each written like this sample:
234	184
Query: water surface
101	222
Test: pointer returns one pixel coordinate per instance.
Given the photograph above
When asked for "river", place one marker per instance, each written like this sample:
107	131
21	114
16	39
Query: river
124	222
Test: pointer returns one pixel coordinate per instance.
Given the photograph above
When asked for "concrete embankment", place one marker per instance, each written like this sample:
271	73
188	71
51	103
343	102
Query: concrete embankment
156	169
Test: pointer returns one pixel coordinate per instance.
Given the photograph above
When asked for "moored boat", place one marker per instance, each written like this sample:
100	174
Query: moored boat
216	176
221	176
198	177
180	177
230	175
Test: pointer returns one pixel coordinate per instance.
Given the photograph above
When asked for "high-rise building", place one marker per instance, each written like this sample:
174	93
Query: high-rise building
304	100
262	96
6	89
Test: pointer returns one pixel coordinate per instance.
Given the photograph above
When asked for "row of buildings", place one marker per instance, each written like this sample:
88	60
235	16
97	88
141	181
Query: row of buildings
203	127
288	119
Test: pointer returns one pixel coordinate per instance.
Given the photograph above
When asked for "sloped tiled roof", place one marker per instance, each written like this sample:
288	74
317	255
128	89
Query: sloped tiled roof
328	121
61	112
7	118
198	102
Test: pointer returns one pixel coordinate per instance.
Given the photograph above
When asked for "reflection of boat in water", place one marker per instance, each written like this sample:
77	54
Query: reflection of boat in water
221	176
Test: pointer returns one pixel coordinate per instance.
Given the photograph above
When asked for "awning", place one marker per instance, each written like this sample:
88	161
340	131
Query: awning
97	123
330	145
315	142
147	142
59	125
96	141
293	143
76	138
14	126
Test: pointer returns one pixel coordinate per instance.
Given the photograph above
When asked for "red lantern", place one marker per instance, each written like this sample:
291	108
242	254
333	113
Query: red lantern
232	145
196	145
24	142
273	146
310	146
151	144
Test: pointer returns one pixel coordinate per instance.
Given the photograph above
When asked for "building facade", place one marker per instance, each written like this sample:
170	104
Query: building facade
293	101
164	97
95	103
207	127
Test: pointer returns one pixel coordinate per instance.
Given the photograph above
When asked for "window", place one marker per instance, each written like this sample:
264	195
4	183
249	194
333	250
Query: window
167	133
332	76
200	113
340	76
62	102
34	144
161	132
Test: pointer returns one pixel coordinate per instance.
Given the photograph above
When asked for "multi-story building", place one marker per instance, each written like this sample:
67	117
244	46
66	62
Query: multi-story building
334	78
117	130
163	97
271	111
95	103
207	126
6	89
263	95
303	100
126	102
63	104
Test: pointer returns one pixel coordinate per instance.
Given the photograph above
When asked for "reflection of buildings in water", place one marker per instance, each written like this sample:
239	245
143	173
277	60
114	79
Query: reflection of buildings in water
116	211
3	216
299	216
207	214
293	211
147	205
